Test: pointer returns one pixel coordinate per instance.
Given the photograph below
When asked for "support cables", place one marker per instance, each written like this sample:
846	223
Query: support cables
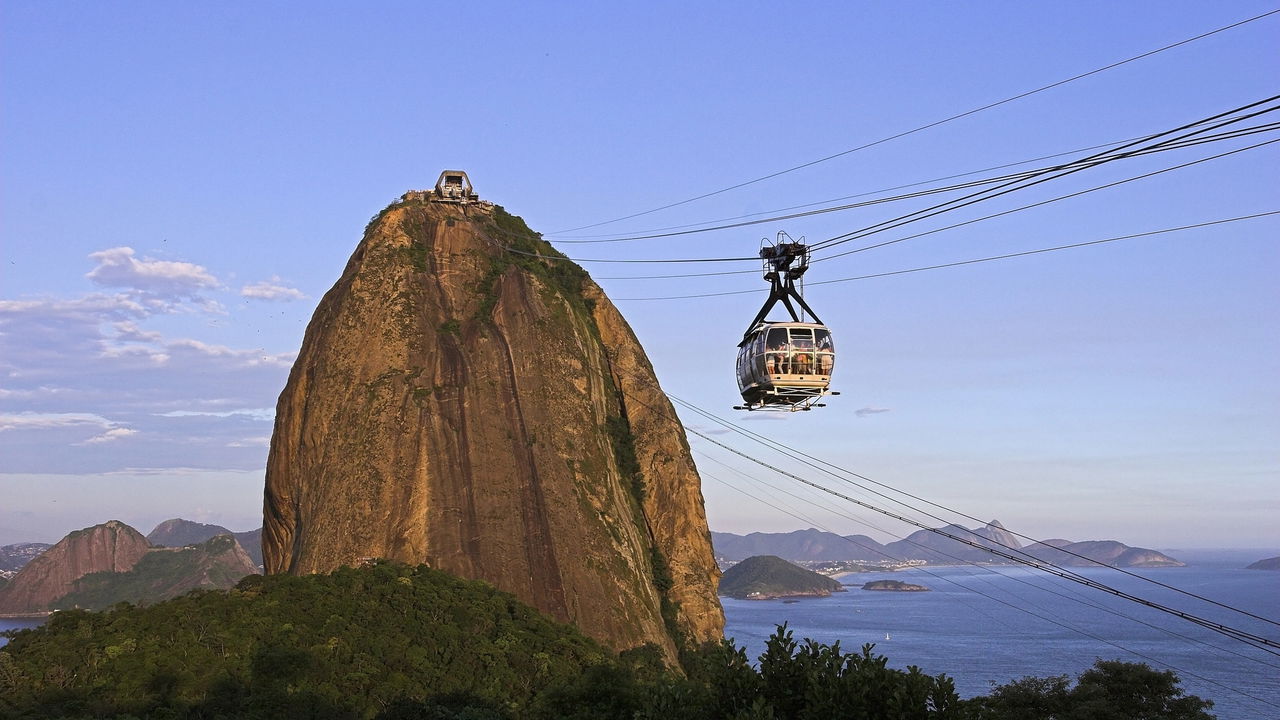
1023	181
1257	641
965	262
693	230
810	461
1076	596
1193	129
928	126
1020	607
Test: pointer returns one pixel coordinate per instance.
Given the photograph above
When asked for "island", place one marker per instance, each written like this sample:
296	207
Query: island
768	577
894	586
1267	564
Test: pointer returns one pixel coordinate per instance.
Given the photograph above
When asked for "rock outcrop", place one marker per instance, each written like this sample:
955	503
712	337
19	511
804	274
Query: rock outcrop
460	402
109	547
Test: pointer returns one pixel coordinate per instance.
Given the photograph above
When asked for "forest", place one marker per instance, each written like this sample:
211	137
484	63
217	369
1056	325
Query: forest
395	641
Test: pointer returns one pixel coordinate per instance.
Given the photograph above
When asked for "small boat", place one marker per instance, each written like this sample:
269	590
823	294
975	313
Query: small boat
887	636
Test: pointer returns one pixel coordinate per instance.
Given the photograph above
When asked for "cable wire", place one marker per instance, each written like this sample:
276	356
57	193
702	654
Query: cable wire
927	126
973	261
792	453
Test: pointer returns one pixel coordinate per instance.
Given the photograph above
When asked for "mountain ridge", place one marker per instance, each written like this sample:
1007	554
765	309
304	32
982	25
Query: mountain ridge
812	545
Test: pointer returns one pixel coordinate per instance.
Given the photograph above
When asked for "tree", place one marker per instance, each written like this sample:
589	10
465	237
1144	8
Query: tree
1110	690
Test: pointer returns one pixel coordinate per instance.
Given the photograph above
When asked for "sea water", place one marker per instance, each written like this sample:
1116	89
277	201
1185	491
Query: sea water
17	624
989	625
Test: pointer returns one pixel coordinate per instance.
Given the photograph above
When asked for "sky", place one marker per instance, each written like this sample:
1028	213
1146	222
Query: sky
181	183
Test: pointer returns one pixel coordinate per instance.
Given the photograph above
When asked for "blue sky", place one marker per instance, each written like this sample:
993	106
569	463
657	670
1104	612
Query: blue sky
180	184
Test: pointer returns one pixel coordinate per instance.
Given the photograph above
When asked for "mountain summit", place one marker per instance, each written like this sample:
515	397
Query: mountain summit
466	399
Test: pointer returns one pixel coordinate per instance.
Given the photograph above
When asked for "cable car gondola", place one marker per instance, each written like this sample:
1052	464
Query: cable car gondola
785	366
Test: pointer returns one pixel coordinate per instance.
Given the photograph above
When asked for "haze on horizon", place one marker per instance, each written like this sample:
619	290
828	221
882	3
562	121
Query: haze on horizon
182	184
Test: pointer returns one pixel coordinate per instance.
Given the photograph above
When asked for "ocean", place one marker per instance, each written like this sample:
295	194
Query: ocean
985	626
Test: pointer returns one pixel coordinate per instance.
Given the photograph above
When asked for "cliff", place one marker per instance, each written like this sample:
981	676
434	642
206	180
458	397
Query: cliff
111	547
766	577
163	573
491	414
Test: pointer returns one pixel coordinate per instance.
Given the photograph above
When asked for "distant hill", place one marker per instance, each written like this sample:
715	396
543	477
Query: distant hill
799	545
164	573
1106	552
178	533
932	548
1268	564
767	576
14	557
111	546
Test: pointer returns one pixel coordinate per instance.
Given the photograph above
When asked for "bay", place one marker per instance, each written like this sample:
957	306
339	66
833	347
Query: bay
17	624
984	626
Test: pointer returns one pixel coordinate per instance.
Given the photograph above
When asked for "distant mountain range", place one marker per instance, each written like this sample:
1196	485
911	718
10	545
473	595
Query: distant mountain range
101	565
178	533
932	548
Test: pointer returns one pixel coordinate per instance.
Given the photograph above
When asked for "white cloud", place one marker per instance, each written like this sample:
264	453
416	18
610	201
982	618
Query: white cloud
51	421
260	441
272	289
263	414
110	436
864	412
117	267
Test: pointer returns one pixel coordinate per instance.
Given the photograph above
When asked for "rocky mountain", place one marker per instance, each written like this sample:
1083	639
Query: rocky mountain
111	547
460	401
163	573
797	546
178	533
1106	552
765	577
939	550
14	557
1267	564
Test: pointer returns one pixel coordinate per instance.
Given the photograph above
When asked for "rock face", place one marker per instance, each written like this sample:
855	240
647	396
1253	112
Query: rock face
110	547
491	414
